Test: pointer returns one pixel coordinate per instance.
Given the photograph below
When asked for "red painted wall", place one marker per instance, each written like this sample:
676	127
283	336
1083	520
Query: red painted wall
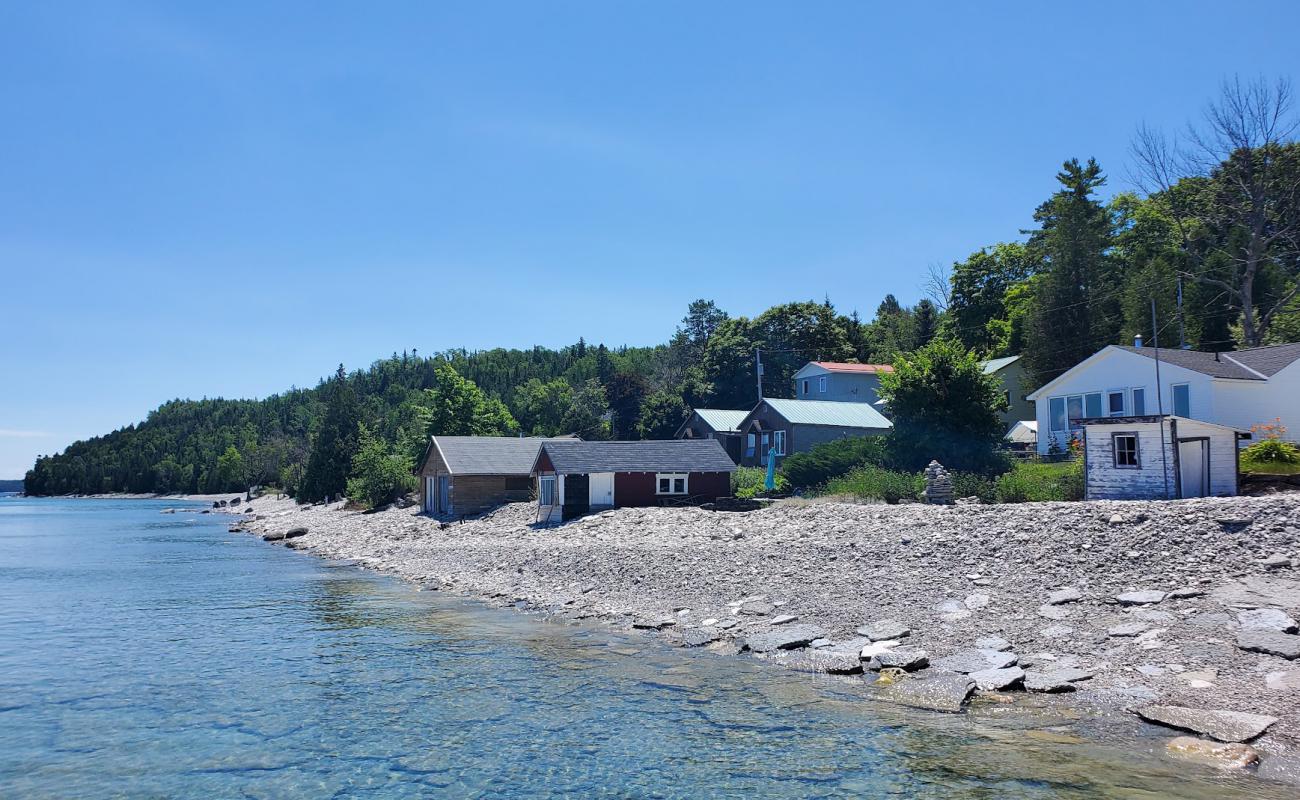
638	488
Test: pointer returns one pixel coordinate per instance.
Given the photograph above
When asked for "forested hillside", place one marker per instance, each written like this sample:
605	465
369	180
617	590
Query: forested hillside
1217	224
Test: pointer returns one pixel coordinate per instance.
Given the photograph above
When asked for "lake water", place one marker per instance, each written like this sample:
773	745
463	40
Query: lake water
155	655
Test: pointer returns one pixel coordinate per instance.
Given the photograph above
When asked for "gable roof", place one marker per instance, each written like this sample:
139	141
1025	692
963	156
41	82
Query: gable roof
487	455
1268	360
572	456
1216	365
726	420
998	364
842	366
827	412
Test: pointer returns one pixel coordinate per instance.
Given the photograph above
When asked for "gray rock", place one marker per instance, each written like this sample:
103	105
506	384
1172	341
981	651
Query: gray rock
1266	619
784	619
784	639
1273	643
1226	726
698	637
950	606
294	533
1277	561
975	602
1056	631
1183	594
1282	681
884	629
1059	679
993	643
1151	615
947	693
974	661
991	680
757	608
908	659
1233	522
1066	595
836	662
1142	598
1128	629
653	624
273	536
726	624
1053	612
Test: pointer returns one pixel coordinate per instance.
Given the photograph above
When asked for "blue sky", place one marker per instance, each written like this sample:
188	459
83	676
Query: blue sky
226	199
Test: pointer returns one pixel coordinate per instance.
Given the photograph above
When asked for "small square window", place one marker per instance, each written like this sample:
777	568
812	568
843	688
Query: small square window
679	486
665	485
1126	450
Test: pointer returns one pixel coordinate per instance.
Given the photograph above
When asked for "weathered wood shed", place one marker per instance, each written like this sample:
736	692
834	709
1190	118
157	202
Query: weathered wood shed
466	475
1158	457
575	477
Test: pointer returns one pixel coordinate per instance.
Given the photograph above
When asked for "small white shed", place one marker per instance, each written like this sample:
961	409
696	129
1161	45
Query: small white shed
1158	457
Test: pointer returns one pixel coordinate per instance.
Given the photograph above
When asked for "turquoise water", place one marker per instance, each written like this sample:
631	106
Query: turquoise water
156	655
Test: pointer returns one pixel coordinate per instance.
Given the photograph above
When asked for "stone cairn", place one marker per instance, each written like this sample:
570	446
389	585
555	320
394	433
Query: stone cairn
938	485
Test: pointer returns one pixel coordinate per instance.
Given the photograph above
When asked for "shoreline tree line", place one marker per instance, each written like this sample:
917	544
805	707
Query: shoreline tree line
1215	225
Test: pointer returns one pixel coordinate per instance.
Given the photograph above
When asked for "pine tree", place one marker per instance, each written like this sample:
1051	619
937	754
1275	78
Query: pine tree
335	443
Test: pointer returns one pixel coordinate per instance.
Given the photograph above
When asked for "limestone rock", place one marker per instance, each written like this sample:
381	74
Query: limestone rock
947	693
990	680
1127	629
757	608
784	619
884	629
974	661
1226	726
1232	755
1266	619
908	659
1058	679
1273	643
1142	598
1066	595
698	637
993	643
783	639
294	533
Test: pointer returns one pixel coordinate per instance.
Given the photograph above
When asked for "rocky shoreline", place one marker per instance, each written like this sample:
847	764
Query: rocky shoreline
1182	613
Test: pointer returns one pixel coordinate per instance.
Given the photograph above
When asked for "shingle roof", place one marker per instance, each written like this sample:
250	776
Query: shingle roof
722	419
995	364
673	455
828	412
1212	364
840	366
489	455
1268	360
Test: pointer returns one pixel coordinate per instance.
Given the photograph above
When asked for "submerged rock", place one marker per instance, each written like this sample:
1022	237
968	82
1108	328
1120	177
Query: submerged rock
783	639
1226	726
1232	755
947	693
698	637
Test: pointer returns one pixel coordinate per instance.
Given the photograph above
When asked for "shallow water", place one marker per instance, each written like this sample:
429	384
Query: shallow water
148	654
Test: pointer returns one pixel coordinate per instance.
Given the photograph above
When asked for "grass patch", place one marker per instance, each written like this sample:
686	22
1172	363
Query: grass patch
747	482
1040	482
876	483
1268	467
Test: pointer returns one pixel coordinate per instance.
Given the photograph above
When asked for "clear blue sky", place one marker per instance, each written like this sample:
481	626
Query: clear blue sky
226	199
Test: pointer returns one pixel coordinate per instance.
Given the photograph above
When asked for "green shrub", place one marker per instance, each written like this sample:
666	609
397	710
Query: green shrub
876	483
748	482
970	484
1038	482
1272	450
379	475
833	459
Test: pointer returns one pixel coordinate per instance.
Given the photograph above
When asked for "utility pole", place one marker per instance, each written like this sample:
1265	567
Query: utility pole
1182	329
1160	405
758	371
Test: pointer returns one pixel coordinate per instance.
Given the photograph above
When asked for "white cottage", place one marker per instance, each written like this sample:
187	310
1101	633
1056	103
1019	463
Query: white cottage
1158	457
1235	390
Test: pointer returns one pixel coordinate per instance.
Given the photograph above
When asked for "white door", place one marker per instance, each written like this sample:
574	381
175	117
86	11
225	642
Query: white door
430	498
602	488
1194	467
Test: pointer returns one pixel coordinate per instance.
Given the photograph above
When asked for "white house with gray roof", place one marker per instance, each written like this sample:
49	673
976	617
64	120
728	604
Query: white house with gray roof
1235	390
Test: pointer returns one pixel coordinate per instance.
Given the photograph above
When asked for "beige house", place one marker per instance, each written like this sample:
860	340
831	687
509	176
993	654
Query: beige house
465	475
1010	372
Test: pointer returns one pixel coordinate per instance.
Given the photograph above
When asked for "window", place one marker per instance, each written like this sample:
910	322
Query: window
1092	404
670	483
1139	402
778	441
1182	399
766	439
821	384
1056	413
1115	403
1074	410
805	387
546	490
749	444
1125	446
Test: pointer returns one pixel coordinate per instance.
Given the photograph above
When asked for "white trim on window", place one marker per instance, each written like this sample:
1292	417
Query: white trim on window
668	483
546	490
821	385
778	441
1109	407
1126	450
1139	394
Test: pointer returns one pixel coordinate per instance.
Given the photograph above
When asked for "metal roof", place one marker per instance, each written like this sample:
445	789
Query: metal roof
726	420
828	412
996	364
489	455
572	456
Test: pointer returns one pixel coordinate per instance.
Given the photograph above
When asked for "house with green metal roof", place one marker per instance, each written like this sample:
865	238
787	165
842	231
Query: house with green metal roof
722	424
794	426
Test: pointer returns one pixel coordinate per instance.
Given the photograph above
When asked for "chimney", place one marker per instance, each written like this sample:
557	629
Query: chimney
1137	340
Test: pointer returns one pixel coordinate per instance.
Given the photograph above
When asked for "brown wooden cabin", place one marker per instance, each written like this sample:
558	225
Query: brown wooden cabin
465	475
576	477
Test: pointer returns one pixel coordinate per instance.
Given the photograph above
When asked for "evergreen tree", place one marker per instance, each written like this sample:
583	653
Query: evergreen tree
335	443
926	322
625	393
586	413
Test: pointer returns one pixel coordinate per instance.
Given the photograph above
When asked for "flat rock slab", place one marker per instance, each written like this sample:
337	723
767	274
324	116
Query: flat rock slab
991	680
294	533
1266	619
1125	629
908	659
974	661
1145	597
1273	643
1053	612
946	693
1231	755
784	639
1226	726
1066	595
784	619
1258	590
698	637
993	643
836	662
884	629
653	624
757	608
1061	679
